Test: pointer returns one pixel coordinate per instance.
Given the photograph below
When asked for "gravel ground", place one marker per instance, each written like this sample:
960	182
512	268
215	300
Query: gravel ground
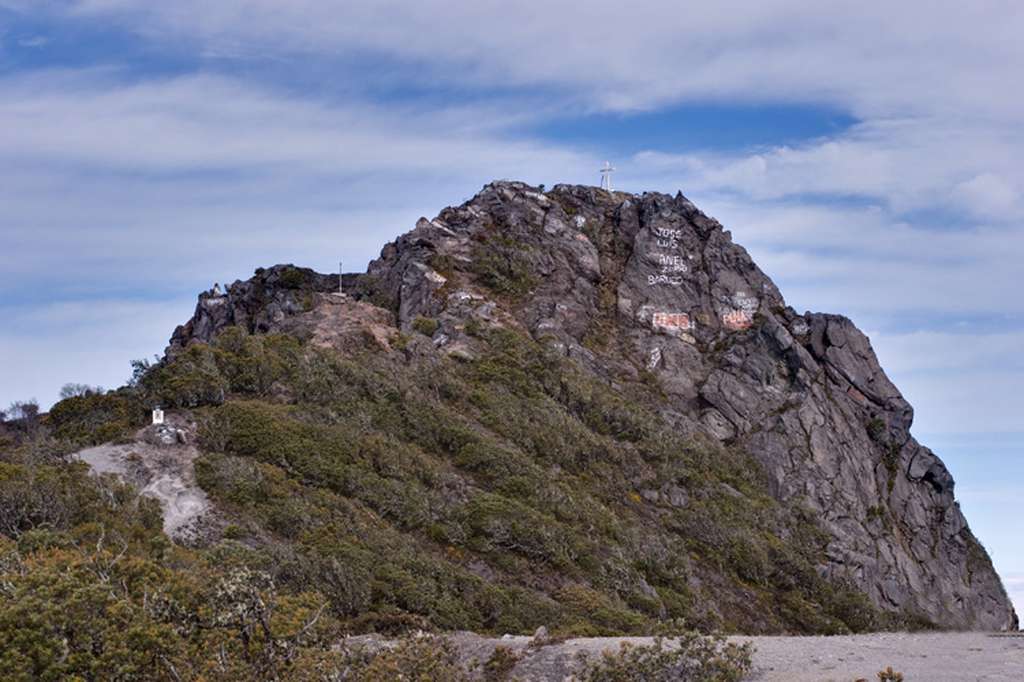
931	657
942	657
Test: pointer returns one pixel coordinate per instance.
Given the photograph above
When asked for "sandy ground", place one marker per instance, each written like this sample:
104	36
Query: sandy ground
932	657
942	657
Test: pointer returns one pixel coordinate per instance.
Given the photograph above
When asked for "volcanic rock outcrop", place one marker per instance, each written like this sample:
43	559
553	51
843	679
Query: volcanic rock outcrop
648	288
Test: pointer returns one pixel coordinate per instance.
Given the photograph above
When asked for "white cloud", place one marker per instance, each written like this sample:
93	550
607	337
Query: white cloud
954	351
989	195
46	346
874	58
155	189
191	179
212	123
169	180
869	264
971	169
34	41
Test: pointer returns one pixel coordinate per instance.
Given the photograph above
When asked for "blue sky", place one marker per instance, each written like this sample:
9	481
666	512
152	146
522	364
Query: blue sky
868	155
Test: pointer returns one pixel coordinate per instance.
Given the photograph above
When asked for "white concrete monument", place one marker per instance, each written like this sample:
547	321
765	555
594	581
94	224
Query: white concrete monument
158	416
606	176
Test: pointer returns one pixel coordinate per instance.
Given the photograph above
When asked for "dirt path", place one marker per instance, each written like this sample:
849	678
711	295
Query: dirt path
939	657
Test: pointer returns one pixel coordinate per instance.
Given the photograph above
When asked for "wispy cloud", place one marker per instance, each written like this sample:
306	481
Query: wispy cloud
34	41
172	177
869	58
913	231
184	173
969	171
211	123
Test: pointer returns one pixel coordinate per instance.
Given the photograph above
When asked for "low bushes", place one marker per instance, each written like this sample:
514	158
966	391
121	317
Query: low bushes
96	418
496	495
687	658
503	264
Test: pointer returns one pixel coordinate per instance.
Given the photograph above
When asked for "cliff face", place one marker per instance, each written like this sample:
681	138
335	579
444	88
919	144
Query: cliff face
647	289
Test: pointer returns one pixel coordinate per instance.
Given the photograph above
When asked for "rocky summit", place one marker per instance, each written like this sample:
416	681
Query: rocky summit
675	342
568	414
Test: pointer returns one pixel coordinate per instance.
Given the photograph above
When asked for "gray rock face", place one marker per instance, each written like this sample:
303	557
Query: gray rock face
631	284
259	304
647	287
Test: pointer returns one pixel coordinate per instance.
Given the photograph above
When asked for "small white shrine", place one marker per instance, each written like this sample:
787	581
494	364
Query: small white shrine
158	416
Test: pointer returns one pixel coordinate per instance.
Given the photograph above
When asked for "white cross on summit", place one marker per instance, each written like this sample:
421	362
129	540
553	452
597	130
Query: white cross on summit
606	176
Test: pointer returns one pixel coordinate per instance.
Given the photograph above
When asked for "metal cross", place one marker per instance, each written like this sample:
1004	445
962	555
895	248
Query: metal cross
606	176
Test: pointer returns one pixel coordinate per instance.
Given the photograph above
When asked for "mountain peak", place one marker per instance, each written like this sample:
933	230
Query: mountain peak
645	290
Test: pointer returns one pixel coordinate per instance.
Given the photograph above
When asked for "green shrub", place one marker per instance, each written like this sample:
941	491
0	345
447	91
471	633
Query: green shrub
107	609
422	658
425	325
192	379
852	607
94	418
251	365
235	363
63	496
503	265
499	664
689	658
495	495
294	278
443	264
876	429
891	460
597	614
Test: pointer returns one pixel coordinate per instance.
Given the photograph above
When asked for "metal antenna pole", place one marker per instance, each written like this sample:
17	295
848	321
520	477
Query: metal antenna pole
341	286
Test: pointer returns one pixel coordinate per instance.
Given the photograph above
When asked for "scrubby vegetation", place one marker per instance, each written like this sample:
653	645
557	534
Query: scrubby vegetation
294	278
91	589
371	493
416	658
889	675
502	264
496	495
689	658
93	418
425	325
